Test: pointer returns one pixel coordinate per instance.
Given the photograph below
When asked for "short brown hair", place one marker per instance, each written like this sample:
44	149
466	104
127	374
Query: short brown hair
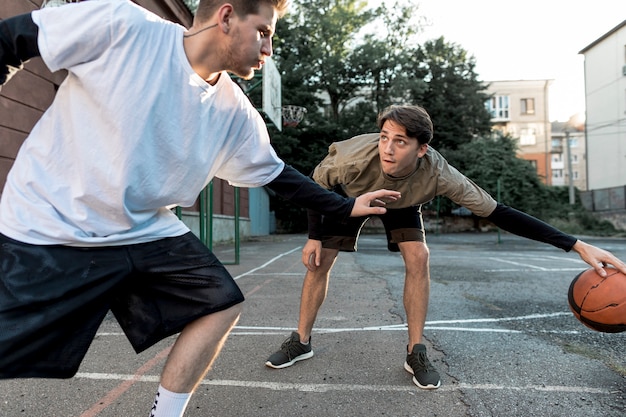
206	8
415	120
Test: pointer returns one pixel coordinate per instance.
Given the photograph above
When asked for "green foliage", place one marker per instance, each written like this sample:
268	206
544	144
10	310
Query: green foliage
573	219
491	162
345	63
453	95
317	43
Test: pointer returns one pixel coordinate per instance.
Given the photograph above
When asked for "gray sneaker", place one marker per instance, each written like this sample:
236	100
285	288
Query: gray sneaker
291	351
424	374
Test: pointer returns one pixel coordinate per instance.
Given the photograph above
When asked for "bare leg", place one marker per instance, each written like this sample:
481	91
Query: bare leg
314	290
196	348
416	288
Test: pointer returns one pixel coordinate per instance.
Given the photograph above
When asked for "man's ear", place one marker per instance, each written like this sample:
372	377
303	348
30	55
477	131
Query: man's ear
224	17
421	151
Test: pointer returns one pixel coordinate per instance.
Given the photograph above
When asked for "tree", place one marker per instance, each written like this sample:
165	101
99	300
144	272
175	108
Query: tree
492	160
319	41
382	56
361	60
454	97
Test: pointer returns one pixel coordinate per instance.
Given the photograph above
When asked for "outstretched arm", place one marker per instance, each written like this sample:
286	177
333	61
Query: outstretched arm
18	44
522	224
303	191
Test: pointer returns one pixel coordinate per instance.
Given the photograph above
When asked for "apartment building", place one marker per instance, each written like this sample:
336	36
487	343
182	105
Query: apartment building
605	102
605	125
520	108
568	156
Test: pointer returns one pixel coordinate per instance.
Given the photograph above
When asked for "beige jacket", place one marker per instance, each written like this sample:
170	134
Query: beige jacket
355	165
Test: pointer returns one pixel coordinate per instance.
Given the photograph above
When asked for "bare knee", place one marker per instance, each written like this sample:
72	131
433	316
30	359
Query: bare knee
416	257
327	260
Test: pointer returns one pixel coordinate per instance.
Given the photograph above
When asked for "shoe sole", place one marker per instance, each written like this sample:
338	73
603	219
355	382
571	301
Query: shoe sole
416	382
291	362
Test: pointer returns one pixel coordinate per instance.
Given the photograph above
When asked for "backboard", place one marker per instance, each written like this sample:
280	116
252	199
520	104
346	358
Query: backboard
272	93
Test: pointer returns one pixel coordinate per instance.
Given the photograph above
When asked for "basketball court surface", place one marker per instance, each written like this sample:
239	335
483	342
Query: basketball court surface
499	331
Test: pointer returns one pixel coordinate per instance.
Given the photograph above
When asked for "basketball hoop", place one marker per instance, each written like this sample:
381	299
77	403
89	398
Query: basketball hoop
293	115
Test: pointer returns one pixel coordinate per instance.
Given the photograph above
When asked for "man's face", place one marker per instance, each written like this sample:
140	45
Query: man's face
398	152
251	41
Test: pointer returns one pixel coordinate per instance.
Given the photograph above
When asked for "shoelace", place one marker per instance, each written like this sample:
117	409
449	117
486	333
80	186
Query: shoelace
420	361
287	347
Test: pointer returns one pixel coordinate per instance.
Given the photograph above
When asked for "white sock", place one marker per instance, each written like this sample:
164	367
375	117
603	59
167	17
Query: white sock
169	404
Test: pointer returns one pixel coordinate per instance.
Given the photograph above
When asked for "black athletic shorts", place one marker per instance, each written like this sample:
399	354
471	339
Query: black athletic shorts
401	225
54	298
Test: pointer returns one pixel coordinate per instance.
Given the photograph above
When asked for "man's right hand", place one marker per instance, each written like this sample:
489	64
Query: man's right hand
372	203
312	254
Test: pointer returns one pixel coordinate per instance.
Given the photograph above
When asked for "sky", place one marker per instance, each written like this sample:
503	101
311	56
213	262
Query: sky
526	40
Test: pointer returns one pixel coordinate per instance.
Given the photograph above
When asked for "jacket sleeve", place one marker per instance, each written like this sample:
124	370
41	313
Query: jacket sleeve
303	191
525	225
18	44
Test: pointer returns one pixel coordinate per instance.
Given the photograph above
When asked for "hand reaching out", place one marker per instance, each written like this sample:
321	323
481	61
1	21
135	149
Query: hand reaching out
373	203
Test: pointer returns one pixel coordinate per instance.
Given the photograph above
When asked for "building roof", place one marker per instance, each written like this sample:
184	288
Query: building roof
601	38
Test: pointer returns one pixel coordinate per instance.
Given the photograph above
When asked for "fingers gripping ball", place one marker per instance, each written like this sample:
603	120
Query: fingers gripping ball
599	303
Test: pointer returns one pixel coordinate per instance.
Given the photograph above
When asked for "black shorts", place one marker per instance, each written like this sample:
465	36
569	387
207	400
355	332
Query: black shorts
401	225
54	298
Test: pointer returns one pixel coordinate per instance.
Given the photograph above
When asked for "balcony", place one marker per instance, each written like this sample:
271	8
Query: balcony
556	149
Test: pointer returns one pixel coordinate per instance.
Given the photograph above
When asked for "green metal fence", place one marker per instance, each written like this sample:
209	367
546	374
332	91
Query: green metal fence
206	220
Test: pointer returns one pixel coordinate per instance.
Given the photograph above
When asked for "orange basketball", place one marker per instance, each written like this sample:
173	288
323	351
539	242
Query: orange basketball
599	303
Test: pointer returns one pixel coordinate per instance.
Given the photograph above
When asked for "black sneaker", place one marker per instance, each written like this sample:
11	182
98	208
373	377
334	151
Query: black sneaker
291	351
424	374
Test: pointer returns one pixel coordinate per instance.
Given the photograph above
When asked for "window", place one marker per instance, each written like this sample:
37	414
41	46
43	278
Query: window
557	173
574	159
575	175
498	107
573	142
527	136
527	105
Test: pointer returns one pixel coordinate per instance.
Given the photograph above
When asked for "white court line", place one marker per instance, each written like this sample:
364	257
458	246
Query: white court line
429	322
496	319
261	330
321	388
561	258
533	270
271	330
518	264
266	263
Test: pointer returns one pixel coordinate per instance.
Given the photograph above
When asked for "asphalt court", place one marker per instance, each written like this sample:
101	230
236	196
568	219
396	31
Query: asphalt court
498	330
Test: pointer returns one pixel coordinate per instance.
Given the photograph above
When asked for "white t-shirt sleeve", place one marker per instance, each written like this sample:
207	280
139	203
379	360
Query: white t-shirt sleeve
255	163
89	37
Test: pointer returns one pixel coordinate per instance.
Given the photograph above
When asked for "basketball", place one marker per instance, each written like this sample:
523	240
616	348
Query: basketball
599	303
